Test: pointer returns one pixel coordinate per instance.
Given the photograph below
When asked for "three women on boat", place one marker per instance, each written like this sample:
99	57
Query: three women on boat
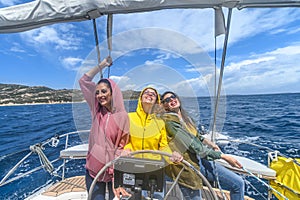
176	133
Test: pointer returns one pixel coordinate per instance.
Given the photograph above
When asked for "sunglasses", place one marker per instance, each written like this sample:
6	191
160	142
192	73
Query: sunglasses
168	99
149	93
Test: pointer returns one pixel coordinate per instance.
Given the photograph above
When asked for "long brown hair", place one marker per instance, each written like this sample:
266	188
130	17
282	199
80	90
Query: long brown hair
188	120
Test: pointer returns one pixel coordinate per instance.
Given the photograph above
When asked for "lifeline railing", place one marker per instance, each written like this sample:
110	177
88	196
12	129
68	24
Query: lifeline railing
45	163
272	154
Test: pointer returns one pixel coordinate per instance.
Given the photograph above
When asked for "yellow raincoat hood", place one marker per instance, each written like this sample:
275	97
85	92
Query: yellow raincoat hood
147	132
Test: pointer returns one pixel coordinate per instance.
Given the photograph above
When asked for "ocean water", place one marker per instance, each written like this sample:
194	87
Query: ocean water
272	121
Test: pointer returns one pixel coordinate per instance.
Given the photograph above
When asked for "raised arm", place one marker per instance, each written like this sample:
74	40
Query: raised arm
105	63
87	86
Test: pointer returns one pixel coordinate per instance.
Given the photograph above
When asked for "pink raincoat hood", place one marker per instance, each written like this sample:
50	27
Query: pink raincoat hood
108	129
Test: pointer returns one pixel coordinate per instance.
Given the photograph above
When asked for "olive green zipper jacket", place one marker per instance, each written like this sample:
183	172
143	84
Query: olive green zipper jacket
189	146
185	140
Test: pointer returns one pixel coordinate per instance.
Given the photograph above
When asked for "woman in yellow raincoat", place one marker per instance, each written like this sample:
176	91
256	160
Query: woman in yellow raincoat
147	131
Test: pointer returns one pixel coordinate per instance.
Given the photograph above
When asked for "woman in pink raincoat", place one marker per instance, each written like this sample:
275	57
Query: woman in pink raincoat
109	131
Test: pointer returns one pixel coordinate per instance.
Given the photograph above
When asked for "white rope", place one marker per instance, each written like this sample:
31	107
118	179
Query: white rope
43	159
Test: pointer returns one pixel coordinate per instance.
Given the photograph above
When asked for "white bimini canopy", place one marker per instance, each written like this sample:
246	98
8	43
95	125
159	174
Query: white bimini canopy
45	12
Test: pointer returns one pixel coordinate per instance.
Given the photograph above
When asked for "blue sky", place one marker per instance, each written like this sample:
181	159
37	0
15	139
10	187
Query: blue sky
170	49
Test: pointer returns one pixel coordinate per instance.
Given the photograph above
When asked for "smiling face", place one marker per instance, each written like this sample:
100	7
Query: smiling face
103	95
148	100
171	102
149	96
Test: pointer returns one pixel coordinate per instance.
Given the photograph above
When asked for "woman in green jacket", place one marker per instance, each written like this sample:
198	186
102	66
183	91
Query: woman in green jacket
183	133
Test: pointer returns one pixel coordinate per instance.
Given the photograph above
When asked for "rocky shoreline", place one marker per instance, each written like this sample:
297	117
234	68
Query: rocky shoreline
13	94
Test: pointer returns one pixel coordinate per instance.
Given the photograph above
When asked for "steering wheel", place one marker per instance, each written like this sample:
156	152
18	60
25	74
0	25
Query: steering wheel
205	181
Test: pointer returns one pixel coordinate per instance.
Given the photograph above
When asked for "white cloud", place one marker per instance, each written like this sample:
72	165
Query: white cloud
59	37
187	22
198	24
163	39
264	73
237	66
290	50
124	82
250	22
71	63
119	78
294	30
17	48
160	58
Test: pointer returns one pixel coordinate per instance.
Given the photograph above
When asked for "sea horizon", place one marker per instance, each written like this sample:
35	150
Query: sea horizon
70	102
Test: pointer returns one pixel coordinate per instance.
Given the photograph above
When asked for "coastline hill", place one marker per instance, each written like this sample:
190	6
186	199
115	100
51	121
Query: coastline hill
11	94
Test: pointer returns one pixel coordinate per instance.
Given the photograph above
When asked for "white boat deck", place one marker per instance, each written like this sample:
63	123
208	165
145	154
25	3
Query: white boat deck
73	184
74	188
